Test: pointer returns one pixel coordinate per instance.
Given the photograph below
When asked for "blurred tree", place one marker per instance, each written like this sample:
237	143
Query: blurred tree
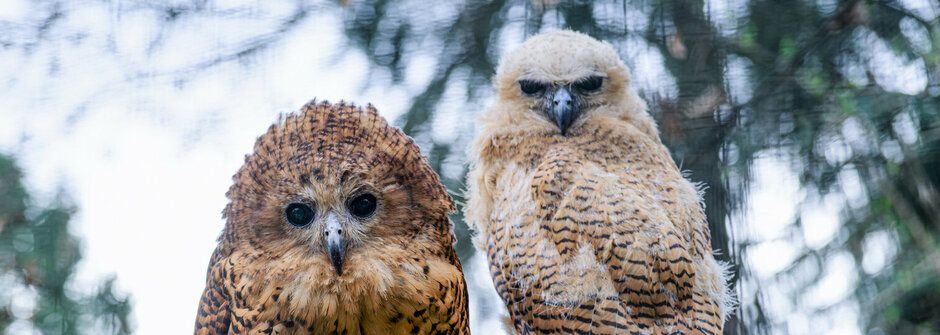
37	261
843	93
798	100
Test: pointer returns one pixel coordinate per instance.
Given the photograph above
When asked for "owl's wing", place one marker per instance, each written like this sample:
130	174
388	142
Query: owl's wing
460	302
447	307
214	315
534	245
622	264
455	301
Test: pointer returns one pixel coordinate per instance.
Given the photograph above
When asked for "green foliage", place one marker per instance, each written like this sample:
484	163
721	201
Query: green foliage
803	107
37	262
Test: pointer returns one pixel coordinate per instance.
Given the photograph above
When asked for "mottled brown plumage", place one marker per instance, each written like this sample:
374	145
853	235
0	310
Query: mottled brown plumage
588	224
382	265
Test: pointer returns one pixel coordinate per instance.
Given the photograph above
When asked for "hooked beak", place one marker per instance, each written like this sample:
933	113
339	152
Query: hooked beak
335	243
563	110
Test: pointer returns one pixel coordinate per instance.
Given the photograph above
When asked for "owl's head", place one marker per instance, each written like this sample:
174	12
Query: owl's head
331	181
556	81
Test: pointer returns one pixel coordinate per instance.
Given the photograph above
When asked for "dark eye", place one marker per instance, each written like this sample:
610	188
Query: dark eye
589	84
362	206
531	87
299	214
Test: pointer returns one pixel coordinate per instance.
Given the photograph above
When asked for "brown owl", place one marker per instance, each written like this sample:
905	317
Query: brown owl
335	225
588	224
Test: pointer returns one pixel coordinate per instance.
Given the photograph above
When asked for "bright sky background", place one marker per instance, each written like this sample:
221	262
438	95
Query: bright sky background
148	162
147	157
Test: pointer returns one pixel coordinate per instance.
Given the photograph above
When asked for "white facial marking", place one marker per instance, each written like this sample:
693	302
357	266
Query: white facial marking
334	230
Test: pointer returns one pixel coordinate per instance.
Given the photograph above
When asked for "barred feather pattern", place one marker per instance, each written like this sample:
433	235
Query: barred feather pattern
401	275
594	233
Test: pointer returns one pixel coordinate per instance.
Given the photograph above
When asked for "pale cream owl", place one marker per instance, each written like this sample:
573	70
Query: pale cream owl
588	224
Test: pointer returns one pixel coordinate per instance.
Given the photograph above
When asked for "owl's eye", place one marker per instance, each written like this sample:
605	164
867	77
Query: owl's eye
531	87
362	206
299	214
590	84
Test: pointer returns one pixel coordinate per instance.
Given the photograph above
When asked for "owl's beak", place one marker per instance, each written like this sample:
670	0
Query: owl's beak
563	109
335	243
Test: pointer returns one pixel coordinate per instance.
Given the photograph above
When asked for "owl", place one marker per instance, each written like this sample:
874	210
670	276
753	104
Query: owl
335	225
588	225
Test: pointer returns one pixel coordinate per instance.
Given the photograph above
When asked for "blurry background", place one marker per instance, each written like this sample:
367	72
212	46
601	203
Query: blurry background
814	124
